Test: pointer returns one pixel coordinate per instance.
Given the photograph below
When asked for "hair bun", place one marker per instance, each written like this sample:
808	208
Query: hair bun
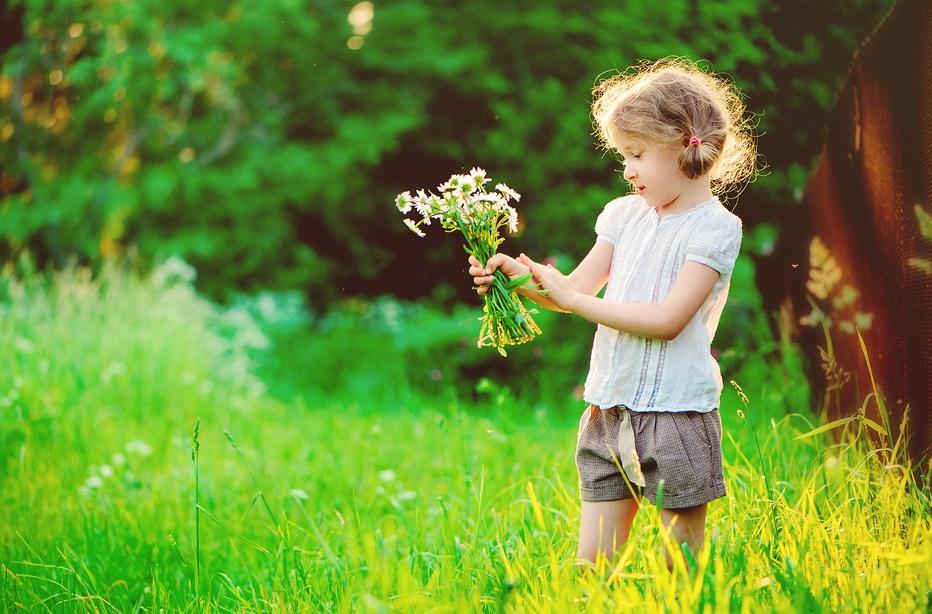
700	156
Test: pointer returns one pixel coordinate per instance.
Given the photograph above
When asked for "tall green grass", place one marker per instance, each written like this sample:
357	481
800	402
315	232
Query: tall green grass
158	453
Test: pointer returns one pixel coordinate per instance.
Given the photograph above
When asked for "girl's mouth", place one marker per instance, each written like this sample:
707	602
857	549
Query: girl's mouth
641	189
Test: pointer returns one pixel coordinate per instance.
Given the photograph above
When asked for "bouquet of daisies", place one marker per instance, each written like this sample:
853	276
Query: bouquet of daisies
463	204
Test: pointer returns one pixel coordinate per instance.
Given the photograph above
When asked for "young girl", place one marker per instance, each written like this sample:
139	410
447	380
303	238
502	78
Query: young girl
666	251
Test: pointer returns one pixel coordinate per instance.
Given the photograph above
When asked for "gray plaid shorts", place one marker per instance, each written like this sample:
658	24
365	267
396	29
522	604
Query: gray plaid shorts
622	453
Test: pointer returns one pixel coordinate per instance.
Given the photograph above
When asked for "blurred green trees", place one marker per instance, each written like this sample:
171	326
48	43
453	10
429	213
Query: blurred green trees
264	142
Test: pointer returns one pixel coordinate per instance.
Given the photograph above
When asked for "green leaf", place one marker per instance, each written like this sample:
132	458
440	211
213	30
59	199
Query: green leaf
920	263
925	222
874	425
826	427
518	281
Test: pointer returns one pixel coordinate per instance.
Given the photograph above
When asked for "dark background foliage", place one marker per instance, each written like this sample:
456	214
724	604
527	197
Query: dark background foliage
264	143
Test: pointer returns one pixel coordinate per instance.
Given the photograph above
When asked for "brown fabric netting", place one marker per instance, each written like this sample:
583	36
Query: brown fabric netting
875	170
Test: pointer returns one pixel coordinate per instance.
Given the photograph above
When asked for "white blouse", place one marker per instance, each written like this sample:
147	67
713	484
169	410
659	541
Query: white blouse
645	373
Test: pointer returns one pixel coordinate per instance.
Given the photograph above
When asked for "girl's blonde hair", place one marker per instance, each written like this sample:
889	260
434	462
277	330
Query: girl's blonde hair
669	100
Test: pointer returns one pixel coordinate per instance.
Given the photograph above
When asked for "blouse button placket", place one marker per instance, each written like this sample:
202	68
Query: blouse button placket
644	246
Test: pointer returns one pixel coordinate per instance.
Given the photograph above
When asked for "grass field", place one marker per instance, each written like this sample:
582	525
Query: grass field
147	467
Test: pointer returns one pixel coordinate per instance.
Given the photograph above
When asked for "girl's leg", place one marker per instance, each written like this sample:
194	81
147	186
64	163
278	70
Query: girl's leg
689	527
604	527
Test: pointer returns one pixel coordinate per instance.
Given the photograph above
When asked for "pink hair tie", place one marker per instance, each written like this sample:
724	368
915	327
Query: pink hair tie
694	140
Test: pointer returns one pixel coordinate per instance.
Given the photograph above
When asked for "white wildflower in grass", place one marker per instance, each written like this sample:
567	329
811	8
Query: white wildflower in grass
508	192
463	204
297	493
138	446
172	271
118	459
114	369
386	475
106	471
23	345
93	482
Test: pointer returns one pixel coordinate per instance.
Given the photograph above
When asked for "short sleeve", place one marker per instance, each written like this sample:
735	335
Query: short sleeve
609	221
716	246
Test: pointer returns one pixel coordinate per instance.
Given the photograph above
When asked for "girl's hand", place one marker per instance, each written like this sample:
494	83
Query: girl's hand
483	275
556	285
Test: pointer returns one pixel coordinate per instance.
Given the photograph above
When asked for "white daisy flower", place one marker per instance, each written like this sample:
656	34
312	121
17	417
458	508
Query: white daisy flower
478	176
503	201
512	220
410	224
386	475
93	482
469	186
504	189
461	183
106	470
403	202
422	208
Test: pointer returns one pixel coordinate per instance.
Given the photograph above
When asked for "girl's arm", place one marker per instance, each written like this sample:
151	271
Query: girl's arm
589	277
659	320
592	273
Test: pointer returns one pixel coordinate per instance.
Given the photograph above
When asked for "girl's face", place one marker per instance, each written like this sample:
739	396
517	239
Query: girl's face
652	170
